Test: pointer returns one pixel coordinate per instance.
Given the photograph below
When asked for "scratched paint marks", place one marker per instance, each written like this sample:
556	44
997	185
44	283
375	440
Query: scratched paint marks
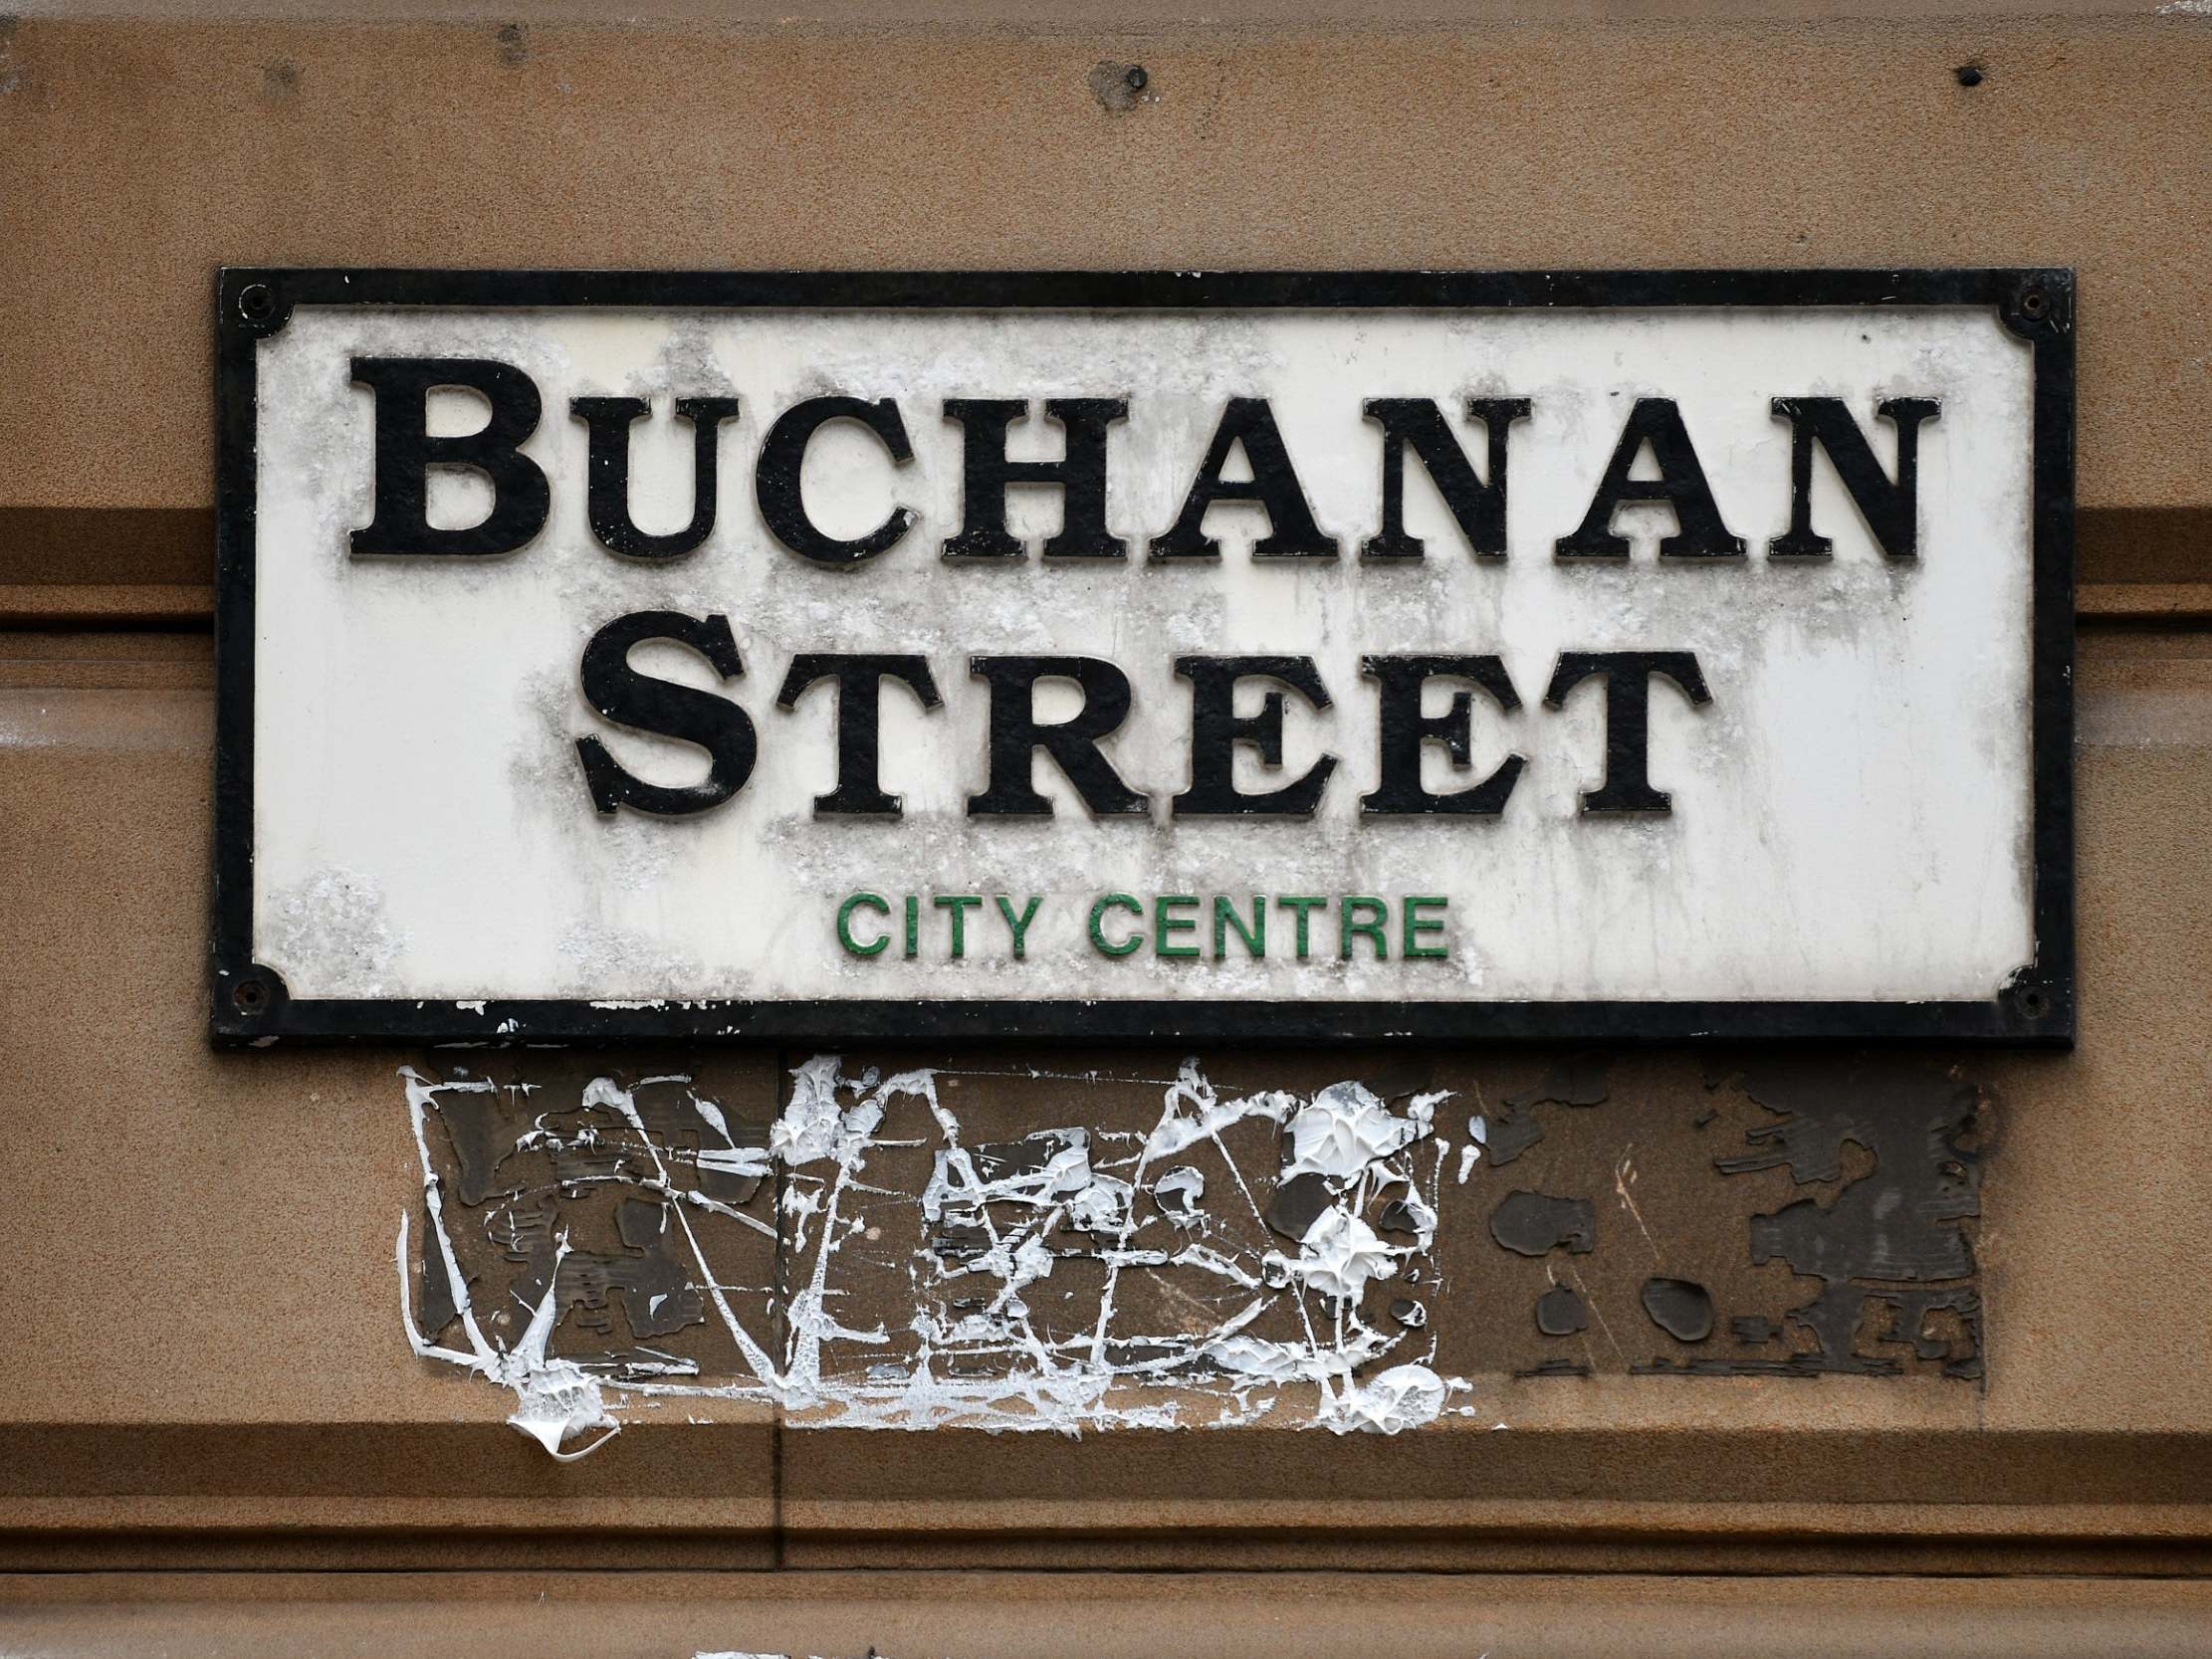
1018	1249
567	1236
1123	1271
599	1246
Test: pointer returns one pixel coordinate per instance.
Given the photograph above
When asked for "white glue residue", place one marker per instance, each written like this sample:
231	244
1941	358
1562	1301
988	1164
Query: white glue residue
1346	1128
1077	1278
1338	1256
1179	1191
555	1399
1403	1396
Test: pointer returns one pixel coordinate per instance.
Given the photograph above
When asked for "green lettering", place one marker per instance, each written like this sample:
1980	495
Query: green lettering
913	924
957	904
874	902
1226	918
1020	929
1376	914
1165	921
1119	901
1301	903
1416	924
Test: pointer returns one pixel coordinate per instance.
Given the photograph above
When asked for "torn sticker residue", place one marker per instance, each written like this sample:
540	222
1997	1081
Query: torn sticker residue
868	1260
1022	1249
1894	1265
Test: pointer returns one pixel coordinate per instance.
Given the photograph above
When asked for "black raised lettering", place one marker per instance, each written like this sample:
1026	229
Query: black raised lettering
1216	728
643	704
1402	730
1247	423
1698	531
1016	733
1628	711
860	792
1890	507
1477	505
775	480
1080	473
400	522
608	471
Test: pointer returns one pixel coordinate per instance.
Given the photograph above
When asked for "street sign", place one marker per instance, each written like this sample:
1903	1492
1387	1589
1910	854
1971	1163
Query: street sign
1178	655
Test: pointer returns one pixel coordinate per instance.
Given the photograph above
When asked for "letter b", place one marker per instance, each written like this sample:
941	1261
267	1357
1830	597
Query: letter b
399	521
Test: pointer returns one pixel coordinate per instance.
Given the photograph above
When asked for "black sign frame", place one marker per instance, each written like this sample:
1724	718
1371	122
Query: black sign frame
251	1005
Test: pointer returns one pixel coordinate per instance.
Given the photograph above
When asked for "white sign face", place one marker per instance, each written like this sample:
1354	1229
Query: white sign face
1135	667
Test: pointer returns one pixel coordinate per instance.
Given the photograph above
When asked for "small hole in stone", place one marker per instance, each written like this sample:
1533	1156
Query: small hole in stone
1137	80
1970	75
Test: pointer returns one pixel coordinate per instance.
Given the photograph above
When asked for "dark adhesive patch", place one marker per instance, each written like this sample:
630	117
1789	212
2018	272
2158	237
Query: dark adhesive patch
1534	1224
1915	1320
482	1130
1154	1359
1680	1307
439	1306
1560	1313
1510	1134
1297	1205
920	1250
657	1294
956	1245
1559	1368
640	1222
1666	1366
669	1110
1578	1080
644	1232
581	1207
1398	1216
1009	1161
1400	1082
1889	1249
